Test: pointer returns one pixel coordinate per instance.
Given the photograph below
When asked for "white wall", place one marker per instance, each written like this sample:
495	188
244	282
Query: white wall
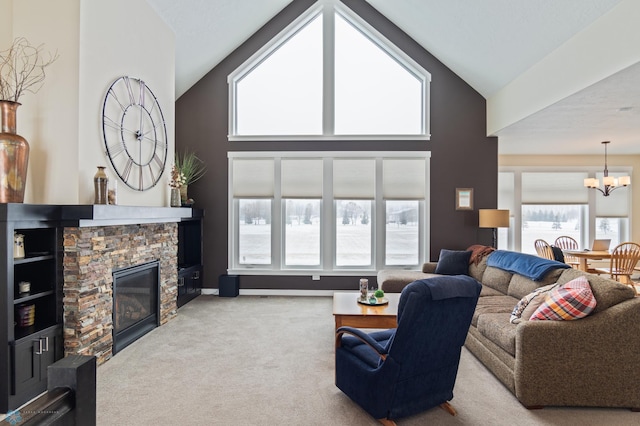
48	118
122	37
97	41
6	14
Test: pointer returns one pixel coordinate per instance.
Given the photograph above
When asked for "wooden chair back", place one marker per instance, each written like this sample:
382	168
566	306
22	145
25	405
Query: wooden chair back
624	259
568	243
543	249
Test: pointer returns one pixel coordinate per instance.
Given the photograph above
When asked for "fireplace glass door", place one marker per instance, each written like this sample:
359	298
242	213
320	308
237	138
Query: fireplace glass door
135	303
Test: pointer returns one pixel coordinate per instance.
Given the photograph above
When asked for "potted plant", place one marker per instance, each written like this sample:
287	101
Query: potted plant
191	168
379	294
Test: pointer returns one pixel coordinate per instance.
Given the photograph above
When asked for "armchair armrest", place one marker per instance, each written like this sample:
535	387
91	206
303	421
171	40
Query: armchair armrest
363	337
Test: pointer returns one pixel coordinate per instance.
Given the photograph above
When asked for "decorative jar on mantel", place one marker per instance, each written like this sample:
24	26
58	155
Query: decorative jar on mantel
14	156
175	197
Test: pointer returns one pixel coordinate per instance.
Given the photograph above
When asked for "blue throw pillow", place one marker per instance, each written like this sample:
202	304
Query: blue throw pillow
452	262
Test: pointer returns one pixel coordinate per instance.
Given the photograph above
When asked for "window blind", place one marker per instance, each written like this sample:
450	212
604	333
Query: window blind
554	188
301	178
403	179
354	178
253	177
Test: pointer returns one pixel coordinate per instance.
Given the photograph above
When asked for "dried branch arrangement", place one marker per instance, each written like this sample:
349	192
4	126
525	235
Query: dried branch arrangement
22	69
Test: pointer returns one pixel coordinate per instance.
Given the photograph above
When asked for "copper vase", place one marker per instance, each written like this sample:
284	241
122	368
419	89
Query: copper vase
14	156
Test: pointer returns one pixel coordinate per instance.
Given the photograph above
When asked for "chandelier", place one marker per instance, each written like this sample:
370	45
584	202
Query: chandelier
610	183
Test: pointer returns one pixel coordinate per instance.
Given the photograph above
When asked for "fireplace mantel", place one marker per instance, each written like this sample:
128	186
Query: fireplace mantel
109	215
85	215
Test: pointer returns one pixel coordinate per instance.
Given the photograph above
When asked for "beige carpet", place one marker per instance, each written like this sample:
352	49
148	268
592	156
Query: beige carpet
269	361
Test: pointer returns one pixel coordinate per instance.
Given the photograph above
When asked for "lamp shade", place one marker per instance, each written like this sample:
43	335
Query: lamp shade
493	218
624	180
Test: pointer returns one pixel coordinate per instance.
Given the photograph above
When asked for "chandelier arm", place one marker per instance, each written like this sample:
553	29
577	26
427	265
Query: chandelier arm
613	188
598	189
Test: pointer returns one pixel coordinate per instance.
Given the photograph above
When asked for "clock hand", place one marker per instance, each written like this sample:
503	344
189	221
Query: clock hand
110	123
154	127
141	103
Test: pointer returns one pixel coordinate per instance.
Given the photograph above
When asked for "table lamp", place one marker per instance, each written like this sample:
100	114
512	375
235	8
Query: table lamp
494	218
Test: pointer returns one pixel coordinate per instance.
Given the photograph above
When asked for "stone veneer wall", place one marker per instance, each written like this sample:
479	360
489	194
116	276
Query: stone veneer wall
90	255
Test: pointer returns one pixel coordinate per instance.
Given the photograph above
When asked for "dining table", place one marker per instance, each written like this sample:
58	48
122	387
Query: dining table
585	255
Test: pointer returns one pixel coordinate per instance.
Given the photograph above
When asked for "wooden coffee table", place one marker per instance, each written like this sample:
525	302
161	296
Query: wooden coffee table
348	312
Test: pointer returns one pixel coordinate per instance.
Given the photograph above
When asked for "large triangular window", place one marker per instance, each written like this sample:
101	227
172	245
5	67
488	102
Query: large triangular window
329	75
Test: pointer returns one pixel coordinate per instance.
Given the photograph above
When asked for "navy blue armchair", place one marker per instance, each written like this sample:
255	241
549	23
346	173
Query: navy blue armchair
406	370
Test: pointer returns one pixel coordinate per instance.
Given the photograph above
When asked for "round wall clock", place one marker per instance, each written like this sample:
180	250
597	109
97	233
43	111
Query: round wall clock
135	135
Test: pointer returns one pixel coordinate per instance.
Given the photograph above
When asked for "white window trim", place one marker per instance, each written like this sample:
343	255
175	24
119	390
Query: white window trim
327	9
327	254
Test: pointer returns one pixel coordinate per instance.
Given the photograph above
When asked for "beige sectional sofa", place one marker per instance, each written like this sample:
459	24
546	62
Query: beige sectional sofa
593	361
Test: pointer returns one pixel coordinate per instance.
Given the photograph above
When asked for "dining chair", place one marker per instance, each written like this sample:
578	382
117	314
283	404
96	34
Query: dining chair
568	243
544	249
624	259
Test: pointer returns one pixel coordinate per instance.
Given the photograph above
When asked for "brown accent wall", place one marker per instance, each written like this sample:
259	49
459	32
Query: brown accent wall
462	156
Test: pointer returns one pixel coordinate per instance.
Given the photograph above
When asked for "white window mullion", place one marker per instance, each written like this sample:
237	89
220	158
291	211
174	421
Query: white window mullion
327	242
517	213
328	60
424	214
422	235
277	245
232	221
381	219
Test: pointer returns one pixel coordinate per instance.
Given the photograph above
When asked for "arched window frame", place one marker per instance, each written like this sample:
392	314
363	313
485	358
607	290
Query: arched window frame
329	9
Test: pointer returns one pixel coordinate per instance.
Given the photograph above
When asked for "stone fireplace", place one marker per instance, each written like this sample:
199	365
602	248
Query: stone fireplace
91	254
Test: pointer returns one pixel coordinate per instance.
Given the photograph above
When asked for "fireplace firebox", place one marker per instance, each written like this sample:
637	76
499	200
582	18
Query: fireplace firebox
136	304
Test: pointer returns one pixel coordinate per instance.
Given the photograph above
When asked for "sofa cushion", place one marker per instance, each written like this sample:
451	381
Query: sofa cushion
497	328
491	305
606	291
570	301
534	298
477	271
488	291
497	279
521	286
453	262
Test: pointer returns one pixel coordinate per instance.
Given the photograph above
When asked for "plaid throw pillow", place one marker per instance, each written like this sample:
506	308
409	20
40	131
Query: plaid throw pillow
571	301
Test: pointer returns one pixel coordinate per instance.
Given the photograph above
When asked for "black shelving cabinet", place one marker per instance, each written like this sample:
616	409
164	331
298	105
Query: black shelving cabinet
190	271
30	346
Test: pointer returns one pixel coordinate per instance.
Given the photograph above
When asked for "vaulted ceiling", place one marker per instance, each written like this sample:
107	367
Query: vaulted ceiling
489	44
